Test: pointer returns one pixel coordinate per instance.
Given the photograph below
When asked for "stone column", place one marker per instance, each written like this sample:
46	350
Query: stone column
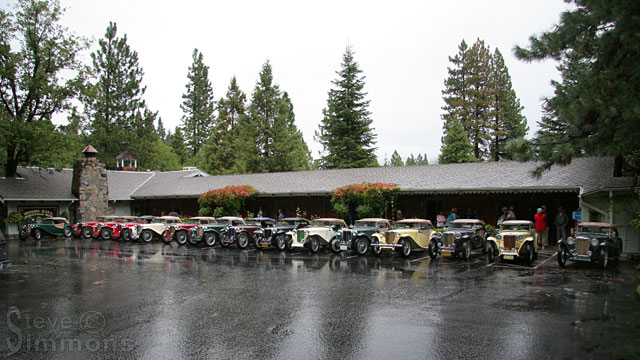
91	187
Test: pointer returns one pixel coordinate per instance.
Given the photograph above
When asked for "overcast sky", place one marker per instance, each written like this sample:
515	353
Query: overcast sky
402	48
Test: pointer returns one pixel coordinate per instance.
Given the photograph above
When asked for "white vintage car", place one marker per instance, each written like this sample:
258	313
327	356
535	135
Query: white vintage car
147	232
321	233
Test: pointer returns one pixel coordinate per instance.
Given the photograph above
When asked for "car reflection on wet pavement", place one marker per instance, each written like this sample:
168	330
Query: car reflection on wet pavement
95	299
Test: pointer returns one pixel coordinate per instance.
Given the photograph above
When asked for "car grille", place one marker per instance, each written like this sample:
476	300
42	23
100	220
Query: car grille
448	239
509	242
268	233
300	235
582	246
232	232
200	231
390	237
172	230
99	227
346	235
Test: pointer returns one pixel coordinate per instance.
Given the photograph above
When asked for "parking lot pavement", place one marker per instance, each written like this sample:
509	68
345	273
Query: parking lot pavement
95	299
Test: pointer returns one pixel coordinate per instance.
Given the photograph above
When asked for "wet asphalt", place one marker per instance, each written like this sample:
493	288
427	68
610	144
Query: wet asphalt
79	299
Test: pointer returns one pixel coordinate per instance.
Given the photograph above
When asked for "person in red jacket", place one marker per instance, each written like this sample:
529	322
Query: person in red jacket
541	228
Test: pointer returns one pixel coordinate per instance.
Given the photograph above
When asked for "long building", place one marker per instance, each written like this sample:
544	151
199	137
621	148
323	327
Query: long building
587	188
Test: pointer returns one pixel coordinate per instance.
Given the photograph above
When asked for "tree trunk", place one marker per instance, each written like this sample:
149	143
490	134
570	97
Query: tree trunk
11	168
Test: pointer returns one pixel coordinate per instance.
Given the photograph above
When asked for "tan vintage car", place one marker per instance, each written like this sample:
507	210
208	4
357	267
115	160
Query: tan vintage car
409	235
157	228
321	233
515	240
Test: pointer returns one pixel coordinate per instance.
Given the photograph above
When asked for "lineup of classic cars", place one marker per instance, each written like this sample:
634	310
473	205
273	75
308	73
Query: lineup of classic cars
514	240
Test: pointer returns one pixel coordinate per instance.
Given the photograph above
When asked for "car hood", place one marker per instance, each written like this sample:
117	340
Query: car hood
461	231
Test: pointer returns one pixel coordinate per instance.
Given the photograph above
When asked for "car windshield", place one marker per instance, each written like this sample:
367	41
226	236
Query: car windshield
367	224
462	225
47	221
515	227
28	221
291	222
326	223
594	229
408	225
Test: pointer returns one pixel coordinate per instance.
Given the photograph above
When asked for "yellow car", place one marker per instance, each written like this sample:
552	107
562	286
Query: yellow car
408	236
516	239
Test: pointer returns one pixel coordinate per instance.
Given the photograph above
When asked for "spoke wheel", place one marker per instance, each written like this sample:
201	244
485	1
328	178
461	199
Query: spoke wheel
86	232
181	237
334	246
405	250
361	246
126	234
37	234
67	231
146	235
105	234
530	254
562	256
491	252
466	250
604	257
243	240
314	245
210	238
281	242
433	249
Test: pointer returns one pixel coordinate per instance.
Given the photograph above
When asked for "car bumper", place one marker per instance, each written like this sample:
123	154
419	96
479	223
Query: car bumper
386	246
447	251
509	255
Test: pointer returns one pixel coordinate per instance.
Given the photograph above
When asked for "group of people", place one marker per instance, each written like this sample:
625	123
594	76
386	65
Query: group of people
543	222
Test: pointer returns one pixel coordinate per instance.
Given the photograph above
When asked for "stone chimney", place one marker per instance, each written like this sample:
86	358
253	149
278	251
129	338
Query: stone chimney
90	186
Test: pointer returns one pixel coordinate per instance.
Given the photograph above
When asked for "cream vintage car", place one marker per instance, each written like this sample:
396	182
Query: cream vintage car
321	233
409	235
516	239
157	228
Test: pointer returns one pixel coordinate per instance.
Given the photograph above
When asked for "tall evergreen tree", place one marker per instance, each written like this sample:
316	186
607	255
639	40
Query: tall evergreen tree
198	105
177	143
345	131
411	160
113	102
455	145
269	139
506	120
396	160
35	52
162	133
596	107
219	152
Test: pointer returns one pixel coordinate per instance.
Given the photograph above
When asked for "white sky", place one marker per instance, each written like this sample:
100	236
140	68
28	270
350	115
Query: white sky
401	46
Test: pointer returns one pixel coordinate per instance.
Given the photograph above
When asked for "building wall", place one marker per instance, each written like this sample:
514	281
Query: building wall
120	207
12	206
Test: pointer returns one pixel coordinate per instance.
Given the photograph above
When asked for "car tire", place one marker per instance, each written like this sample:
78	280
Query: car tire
86	232
243	240
146	235
190	240
491	252
433	249
562	256
37	234
530	254
281	242
361	245
334	246
126	235
23	236
604	257
376	250
314	244
466	250
210	238
67	231
256	242
405	249
105	234
181	237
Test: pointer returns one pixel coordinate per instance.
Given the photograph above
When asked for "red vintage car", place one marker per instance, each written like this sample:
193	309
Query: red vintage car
179	232
88	229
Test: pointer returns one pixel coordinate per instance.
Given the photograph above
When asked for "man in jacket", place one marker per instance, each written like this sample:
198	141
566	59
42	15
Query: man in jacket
541	228
561	224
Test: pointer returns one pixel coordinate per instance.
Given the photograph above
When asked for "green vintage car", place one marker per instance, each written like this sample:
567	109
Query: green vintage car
359	238
216	232
52	226
592	242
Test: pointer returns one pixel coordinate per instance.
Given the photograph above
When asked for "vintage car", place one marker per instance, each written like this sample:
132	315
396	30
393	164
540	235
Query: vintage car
358	238
157	228
52	226
243	234
515	239
592	242
462	236
180	232
321	233
112	226
277	235
214	233
89	229
409	235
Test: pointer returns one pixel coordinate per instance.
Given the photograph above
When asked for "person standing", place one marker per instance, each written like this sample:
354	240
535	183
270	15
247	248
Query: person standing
280	214
452	216
440	220
541	227
561	224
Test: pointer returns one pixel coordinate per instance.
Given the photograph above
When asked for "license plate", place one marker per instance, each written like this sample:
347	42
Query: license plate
264	245
446	253
343	248
508	257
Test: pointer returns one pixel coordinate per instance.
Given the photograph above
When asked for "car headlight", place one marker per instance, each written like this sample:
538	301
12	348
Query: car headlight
594	242
520	238
458	235
498	237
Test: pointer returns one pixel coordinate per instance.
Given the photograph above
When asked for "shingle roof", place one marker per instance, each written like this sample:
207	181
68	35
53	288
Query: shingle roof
589	173
123	183
33	183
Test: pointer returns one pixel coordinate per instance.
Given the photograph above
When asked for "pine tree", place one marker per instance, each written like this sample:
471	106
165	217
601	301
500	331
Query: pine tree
113	102
396	160
595	108
411	161
268	139
506	120
198	105
219	152
177	143
455	145
162	133
345	131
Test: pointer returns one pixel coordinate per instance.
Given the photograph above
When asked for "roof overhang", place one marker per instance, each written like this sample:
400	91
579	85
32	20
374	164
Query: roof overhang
9	199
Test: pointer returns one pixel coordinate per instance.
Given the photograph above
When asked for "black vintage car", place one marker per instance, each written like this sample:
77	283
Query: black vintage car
277	235
462	236
52	226
592	242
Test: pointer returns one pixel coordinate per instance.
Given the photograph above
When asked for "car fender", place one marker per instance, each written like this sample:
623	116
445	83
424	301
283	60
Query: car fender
411	240
524	242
